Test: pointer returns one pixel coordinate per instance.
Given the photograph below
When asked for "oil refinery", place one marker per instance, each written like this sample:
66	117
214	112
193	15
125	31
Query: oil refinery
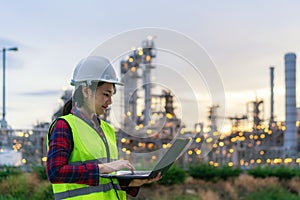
149	124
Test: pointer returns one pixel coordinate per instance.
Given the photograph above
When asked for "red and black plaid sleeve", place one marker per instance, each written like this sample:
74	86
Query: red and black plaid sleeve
57	166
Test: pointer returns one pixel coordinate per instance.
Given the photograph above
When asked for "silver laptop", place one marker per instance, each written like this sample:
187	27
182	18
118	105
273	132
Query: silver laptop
177	148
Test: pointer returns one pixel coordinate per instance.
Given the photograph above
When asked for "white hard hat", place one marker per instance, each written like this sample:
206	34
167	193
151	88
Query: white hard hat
94	68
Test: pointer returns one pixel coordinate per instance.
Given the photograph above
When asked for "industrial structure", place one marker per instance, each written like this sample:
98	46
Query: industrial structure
264	143
149	124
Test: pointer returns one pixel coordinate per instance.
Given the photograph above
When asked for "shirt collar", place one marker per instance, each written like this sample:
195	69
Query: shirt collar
75	111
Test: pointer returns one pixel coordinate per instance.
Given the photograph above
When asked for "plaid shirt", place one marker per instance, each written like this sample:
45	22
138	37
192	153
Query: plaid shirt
60	148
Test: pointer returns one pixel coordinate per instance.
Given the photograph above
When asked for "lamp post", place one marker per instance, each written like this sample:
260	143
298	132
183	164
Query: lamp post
3	121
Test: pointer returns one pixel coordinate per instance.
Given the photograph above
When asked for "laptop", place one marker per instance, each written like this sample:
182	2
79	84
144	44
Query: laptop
171	155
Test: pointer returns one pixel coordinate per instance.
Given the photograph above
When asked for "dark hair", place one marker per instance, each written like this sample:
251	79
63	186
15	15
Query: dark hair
77	98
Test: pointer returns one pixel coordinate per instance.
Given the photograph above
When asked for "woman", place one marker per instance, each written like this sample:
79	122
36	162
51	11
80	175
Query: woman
81	146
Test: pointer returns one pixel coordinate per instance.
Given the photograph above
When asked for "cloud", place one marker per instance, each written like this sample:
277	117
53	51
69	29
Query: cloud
41	93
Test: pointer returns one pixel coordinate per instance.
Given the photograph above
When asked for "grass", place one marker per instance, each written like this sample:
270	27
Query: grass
243	187
26	186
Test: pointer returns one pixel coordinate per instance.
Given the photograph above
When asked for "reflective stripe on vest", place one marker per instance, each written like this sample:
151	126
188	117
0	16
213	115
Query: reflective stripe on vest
90	148
99	161
88	190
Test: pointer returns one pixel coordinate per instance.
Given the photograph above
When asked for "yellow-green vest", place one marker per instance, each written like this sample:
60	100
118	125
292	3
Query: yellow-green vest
90	147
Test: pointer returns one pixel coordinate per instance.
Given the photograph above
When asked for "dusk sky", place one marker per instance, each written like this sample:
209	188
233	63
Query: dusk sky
242	38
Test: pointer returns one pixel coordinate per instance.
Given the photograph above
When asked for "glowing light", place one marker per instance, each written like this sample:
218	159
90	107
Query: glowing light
198	139
169	115
209	140
288	160
221	144
216	133
128	152
233	139
140	51
149	131
130	59
283	128
24	161
252	161
21	134
215	145
124	149
198	152
277	160
268	160
258	161
231	150
198	129
261	152
133	69
262	136
298	160
150	145
216	164
128	113
182	131
230	164
190	152
211	163
148	58
44	159
242	162
123	140
206	129
270	132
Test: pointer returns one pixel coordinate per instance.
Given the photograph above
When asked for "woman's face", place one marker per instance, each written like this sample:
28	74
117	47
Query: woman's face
102	100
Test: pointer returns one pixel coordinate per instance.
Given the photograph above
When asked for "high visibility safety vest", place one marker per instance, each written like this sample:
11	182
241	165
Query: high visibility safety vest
90	147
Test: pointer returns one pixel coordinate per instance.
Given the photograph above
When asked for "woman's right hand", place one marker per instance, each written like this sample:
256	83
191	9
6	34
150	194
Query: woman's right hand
107	168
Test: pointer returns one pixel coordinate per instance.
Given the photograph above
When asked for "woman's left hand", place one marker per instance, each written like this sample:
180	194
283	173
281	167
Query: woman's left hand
139	182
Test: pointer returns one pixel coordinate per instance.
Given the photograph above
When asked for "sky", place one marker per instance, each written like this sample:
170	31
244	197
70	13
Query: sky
242	38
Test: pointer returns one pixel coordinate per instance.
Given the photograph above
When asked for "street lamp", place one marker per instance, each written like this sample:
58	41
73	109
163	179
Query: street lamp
3	121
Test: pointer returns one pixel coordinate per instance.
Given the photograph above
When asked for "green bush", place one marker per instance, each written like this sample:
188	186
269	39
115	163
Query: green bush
203	171
226	172
41	172
209	173
281	172
261	172
284	172
6	171
175	175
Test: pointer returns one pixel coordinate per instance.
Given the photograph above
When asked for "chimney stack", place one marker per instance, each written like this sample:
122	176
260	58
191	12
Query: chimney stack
272	95
290	136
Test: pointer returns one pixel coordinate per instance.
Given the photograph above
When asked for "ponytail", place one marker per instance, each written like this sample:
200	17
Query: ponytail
67	107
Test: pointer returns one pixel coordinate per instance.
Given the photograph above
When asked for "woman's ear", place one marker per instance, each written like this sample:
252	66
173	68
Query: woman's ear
86	92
